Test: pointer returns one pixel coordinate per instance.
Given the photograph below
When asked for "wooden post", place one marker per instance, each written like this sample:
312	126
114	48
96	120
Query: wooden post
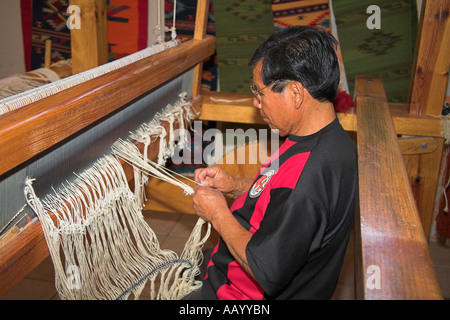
432	59
427	93
423	171
89	43
201	24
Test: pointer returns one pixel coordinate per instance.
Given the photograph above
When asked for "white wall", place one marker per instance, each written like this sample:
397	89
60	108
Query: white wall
12	59
153	19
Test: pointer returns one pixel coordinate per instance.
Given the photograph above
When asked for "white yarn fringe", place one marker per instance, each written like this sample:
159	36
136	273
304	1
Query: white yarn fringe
19	83
100	245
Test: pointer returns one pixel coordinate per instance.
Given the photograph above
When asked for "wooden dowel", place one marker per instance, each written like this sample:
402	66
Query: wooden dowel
48	53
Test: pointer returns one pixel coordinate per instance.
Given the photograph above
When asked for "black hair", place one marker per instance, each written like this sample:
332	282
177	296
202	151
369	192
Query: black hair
301	53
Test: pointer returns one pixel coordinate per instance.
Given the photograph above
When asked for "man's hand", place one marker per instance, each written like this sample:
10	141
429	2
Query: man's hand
210	204
217	178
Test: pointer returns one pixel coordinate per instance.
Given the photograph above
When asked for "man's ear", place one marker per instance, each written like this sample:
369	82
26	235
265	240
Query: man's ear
298	93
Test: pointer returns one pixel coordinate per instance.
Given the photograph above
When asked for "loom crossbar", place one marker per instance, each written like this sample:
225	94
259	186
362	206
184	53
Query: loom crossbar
31	130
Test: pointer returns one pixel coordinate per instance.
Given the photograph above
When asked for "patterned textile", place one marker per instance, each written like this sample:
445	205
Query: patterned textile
185	18
387	52
314	13
250	22
49	22
240	27
127	29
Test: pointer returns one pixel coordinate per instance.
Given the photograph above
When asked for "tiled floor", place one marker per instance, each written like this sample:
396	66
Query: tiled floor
173	230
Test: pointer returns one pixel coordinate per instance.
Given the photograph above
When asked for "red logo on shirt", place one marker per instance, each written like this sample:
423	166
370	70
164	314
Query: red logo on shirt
260	184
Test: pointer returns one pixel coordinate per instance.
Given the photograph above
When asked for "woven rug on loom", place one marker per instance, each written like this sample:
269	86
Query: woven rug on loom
127	27
49	22
127	22
386	52
241	26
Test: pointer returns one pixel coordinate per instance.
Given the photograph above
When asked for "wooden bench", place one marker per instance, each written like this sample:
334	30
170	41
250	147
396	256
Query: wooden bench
391	251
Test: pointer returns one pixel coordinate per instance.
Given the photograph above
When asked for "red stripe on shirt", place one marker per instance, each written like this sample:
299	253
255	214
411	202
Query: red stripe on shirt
286	177
285	146
242	287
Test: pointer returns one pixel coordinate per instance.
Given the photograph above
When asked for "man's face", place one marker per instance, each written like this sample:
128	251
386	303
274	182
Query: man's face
273	106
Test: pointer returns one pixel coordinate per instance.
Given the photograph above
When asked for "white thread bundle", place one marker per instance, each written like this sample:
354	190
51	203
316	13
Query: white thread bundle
181	112
101	246
131	154
19	83
159	27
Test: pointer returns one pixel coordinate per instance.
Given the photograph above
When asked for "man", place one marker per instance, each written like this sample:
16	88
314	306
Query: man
286	235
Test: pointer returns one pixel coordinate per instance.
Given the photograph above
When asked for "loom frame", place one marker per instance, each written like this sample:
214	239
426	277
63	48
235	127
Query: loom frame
38	127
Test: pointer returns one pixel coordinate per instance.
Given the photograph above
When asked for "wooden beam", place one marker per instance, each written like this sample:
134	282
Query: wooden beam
229	107
201	25
166	197
431	59
20	255
201	19
238	108
392	255
26	132
427	94
414	125
89	43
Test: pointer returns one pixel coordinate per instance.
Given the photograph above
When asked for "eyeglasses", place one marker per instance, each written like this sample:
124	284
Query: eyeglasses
257	93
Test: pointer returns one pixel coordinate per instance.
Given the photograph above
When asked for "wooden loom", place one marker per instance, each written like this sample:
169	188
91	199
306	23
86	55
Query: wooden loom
389	223
43	125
